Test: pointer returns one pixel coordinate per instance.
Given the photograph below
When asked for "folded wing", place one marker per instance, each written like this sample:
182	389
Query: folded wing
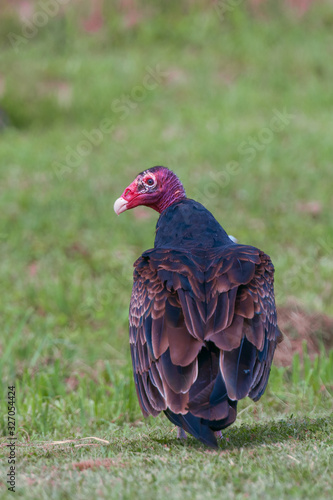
203	332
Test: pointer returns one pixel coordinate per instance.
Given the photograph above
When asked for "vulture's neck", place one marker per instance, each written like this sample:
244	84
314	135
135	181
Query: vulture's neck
175	192
170	199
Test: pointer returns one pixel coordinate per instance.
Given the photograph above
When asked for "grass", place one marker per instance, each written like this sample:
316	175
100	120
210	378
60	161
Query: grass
274	460
65	269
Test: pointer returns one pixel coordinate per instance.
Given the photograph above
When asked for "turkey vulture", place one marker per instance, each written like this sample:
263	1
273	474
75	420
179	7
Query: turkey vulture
203	327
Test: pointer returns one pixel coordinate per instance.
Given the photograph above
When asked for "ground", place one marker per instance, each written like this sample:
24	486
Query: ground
240	108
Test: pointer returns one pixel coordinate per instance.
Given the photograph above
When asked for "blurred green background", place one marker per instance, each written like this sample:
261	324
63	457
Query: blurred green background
236	97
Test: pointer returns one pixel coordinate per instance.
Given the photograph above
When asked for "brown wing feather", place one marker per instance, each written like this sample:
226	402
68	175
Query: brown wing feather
246	368
183	302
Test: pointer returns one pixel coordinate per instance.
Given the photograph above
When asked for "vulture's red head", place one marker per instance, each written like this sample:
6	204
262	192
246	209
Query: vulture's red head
157	188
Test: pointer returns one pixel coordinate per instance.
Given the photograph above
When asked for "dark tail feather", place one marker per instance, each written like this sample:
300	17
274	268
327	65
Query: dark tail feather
217	425
194	426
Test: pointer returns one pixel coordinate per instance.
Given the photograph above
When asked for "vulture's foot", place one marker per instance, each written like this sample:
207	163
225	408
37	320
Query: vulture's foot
181	434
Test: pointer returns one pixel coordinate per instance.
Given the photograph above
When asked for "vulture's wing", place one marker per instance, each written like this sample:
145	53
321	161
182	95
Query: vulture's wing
160	380
202	330
246	367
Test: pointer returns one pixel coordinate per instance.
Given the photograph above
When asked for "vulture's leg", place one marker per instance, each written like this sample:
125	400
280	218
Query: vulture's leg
181	434
218	434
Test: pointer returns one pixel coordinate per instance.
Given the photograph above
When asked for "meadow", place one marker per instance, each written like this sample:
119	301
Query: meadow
239	104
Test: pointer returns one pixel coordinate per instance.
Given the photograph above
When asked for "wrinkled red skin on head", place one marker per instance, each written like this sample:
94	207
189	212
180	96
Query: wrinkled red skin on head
136	198
168	190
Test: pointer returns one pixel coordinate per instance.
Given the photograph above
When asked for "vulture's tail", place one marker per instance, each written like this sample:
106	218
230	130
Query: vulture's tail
193	425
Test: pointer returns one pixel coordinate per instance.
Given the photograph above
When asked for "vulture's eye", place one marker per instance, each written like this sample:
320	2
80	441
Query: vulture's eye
150	181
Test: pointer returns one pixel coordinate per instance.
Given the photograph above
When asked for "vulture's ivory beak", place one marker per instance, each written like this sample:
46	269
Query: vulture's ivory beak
120	205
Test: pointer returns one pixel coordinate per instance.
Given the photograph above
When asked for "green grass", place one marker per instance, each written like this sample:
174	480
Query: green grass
66	259
264	460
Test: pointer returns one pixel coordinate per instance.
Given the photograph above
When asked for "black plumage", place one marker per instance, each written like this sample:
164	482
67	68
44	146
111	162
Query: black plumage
203	326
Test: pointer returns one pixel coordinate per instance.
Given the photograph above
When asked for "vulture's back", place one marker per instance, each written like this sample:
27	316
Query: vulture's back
188	224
